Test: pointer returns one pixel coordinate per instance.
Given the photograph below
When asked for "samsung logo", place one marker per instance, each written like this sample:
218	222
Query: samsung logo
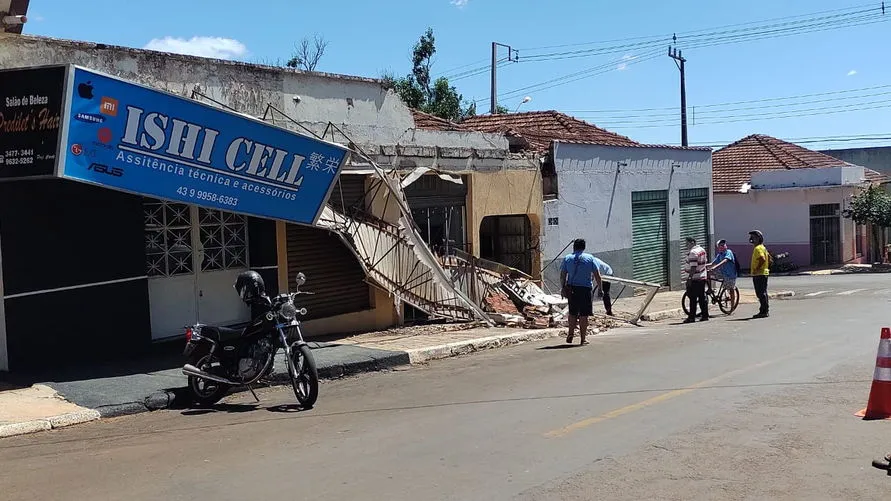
90	118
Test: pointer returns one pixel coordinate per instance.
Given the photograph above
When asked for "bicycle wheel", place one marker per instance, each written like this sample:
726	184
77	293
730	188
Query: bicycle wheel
685	303
725	304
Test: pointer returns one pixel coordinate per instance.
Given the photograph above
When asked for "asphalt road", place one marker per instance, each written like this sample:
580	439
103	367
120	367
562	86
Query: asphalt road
729	409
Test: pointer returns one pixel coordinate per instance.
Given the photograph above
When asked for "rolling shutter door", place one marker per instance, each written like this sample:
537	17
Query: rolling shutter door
649	222
332	273
694	216
348	192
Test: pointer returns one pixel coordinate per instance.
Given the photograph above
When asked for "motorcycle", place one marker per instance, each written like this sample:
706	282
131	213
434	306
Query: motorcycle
220	358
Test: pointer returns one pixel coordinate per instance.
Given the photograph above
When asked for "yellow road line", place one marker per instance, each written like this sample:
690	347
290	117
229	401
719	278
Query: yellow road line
560	432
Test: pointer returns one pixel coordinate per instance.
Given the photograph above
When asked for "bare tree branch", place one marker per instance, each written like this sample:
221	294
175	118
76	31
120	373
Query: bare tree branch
308	53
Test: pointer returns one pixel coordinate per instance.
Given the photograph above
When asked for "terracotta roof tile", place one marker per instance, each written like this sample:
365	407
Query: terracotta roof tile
734	164
427	121
537	129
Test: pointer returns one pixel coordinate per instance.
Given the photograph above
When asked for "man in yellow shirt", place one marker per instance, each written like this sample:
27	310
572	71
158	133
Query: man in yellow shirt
760	270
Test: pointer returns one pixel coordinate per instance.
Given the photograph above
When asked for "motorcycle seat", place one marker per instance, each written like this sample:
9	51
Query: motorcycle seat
220	334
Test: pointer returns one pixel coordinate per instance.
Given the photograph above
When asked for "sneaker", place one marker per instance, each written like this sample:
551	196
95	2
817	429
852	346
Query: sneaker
704	319
760	315
689	320
882	463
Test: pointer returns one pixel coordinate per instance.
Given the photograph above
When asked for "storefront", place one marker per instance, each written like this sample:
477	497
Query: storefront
126	212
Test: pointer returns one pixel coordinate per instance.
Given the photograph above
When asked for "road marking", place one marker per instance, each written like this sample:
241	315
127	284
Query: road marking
566	430
812	294
848	293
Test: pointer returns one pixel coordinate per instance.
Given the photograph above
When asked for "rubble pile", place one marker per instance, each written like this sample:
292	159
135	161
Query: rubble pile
521	302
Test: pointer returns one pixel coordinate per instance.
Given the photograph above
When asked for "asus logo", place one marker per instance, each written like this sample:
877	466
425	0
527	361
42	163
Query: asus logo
104	169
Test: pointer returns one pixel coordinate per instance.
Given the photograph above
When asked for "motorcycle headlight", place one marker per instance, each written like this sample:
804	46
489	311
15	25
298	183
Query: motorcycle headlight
288	311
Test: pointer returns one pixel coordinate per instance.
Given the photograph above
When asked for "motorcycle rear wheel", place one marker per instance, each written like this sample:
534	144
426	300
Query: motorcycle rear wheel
204	392
304	376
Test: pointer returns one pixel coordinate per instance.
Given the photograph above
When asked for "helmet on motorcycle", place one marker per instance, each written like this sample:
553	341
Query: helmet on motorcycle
249	286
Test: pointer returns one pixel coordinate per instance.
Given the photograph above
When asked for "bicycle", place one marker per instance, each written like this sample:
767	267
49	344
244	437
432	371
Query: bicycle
721	298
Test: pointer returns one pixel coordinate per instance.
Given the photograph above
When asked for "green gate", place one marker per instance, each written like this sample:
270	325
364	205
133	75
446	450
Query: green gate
649	223
694	217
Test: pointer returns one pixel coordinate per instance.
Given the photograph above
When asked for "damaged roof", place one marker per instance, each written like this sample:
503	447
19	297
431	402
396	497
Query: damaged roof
734	164
537	129
426	121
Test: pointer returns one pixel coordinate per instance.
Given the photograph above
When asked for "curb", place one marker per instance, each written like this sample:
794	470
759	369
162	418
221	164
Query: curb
679	312
421	355
46	424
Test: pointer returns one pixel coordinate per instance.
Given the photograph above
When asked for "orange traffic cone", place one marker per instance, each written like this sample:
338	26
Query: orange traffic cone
879	405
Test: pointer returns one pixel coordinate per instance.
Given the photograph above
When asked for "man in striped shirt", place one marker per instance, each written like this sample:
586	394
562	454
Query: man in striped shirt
697	278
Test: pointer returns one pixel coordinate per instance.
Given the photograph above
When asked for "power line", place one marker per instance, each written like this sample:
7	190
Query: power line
733	103
755	118
823	26
718	28
811	140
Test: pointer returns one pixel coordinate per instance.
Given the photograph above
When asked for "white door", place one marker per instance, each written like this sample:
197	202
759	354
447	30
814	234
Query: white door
193	256
222	252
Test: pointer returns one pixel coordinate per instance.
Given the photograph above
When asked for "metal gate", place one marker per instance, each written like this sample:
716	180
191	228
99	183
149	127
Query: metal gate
825	234
649	222
332	272
694	220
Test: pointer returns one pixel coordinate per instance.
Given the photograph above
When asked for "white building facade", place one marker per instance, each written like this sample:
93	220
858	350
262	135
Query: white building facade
632	204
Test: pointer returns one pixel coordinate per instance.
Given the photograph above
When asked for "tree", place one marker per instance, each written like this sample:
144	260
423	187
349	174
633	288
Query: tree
871	206
420	91
308	53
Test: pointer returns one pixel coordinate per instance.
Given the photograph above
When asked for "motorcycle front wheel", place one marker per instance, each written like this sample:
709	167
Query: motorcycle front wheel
304	376
206	392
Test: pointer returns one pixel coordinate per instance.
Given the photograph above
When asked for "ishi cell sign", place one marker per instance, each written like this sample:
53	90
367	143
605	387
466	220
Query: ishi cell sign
132	138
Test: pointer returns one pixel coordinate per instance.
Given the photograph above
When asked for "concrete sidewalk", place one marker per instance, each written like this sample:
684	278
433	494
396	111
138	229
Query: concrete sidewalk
667	305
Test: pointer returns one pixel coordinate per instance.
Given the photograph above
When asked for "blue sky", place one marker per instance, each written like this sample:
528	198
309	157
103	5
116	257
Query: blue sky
846	66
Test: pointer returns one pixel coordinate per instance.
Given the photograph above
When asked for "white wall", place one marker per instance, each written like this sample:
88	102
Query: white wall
795	178
595	195
784	218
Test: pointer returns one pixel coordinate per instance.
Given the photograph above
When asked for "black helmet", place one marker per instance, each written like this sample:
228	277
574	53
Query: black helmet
249	286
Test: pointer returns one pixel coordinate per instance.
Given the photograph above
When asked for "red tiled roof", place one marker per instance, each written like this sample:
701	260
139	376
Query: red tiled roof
427	121
734	164
537	129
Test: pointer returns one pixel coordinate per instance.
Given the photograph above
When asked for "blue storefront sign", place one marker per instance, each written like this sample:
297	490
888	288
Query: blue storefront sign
132	138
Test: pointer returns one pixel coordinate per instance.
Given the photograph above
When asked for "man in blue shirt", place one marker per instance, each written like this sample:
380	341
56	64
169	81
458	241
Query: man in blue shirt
605	270
726	261
577	276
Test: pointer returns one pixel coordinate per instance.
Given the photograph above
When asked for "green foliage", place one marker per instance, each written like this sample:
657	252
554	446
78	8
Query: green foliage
871	206
420	91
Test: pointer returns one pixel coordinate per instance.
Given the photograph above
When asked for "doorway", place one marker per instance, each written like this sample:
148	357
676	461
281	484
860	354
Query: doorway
193	256
507	240
825	234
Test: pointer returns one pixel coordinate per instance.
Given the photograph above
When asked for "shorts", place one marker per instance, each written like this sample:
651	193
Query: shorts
729	283
580	301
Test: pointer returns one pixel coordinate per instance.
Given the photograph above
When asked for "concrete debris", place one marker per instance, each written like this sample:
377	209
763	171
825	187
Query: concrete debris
520	301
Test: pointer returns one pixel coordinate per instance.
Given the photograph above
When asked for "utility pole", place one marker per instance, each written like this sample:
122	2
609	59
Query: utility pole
679	60
512	55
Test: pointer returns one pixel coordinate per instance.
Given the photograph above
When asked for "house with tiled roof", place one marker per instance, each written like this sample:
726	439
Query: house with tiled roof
632	202
794	195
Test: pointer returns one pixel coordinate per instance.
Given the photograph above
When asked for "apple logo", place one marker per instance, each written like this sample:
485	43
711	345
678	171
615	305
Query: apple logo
85	90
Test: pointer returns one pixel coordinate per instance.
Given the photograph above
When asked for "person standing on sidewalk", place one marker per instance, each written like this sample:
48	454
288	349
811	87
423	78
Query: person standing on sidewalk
697	277
603	291
760	270
577	286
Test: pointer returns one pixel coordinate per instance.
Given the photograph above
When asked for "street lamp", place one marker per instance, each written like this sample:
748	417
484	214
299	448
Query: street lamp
524	101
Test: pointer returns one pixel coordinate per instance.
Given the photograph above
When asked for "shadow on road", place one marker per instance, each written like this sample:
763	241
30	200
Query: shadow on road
231	408
559	347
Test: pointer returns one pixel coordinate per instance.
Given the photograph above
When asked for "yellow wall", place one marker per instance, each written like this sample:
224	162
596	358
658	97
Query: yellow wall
505	193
